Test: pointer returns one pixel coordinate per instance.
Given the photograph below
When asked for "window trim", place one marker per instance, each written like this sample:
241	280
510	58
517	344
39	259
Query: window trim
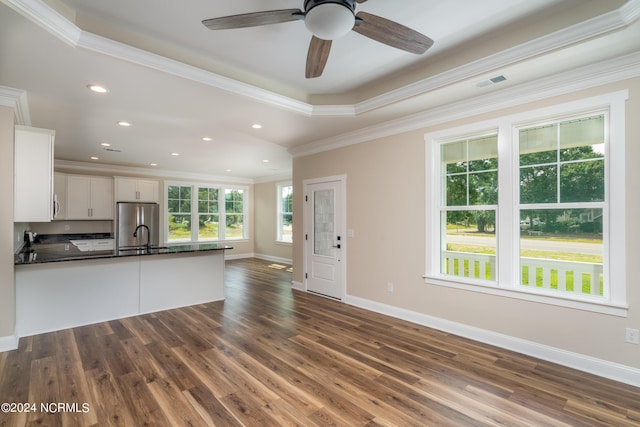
506	286
194	212
279	212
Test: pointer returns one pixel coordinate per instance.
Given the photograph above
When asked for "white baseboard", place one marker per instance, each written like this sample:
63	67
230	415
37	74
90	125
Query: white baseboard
238	256
259	256
273	259
8	343
602	368
298	286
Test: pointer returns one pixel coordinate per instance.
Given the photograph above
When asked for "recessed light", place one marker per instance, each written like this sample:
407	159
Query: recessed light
94	158
123	123
227	170
153	164
265	161
105	144
257	126
175	154
207	138
97	88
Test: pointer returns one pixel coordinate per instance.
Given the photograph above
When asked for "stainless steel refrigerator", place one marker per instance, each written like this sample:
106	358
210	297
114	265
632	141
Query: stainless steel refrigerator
141	219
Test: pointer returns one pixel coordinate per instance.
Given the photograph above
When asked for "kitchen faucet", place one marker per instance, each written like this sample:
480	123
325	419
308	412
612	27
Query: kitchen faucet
135	234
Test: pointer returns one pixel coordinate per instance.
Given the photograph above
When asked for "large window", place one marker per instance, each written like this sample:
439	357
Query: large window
234	214
205	206
532	206
285	212
469	179
562	204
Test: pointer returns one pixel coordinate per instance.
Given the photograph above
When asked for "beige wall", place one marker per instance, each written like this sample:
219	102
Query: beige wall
266	225
386	210
7	278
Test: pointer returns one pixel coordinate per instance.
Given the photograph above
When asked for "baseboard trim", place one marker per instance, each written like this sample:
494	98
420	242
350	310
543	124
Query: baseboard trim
259	256
273	259
614	371
238	256
298	286
8	343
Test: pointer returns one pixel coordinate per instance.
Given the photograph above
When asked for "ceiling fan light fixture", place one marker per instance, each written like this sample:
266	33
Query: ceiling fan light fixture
330	21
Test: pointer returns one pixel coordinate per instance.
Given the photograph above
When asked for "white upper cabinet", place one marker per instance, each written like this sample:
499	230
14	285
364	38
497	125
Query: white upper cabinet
33	171
89	197
136	190
59	196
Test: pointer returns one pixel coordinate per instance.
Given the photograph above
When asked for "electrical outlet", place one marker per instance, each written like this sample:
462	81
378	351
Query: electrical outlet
633	336
390	287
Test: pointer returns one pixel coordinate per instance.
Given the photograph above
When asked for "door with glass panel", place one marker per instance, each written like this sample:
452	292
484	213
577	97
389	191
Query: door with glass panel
324	238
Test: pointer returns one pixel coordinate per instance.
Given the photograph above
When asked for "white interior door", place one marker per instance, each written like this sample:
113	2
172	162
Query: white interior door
324	238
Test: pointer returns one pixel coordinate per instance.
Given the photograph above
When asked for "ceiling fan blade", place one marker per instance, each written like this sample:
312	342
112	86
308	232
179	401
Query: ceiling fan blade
392	34
361	1
254	19
317	57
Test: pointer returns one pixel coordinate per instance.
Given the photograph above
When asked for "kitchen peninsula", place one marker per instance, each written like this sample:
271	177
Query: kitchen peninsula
59	286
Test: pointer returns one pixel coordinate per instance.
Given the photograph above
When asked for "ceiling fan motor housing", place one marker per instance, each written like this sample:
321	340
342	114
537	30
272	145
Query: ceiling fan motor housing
329	19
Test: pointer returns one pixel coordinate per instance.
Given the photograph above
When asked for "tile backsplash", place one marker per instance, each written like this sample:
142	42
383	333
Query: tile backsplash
72	227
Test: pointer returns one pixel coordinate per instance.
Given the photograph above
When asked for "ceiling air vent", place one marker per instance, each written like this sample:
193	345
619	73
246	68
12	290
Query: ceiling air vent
491	81
114	150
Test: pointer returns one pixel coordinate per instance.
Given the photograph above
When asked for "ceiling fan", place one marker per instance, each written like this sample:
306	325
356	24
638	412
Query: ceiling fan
329	20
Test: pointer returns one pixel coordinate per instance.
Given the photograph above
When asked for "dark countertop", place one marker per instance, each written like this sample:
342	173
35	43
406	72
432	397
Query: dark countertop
40	253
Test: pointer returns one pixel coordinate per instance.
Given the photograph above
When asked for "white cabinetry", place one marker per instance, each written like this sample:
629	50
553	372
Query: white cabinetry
33	171
89	197
136	190
60	295
60	195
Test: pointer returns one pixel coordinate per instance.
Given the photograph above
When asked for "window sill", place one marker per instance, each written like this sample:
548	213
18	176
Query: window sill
532	295
284	243
195	242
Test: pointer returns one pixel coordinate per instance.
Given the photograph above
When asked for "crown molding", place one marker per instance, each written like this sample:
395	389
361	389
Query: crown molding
141	57
577	33
48	18
273	178
16	99
593	75
117	170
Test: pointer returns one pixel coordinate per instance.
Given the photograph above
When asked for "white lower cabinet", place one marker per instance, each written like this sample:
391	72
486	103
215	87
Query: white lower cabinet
168	281
60	295
89	197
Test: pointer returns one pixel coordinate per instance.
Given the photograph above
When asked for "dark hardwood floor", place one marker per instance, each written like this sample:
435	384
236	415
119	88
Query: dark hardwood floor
270	356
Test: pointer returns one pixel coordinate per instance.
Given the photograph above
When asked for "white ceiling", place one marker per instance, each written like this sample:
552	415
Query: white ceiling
176	81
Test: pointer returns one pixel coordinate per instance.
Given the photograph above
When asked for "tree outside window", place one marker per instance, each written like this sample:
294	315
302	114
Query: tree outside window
285	213
550	226
208	214
562	195
179	212
468	211
218	212
234	213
